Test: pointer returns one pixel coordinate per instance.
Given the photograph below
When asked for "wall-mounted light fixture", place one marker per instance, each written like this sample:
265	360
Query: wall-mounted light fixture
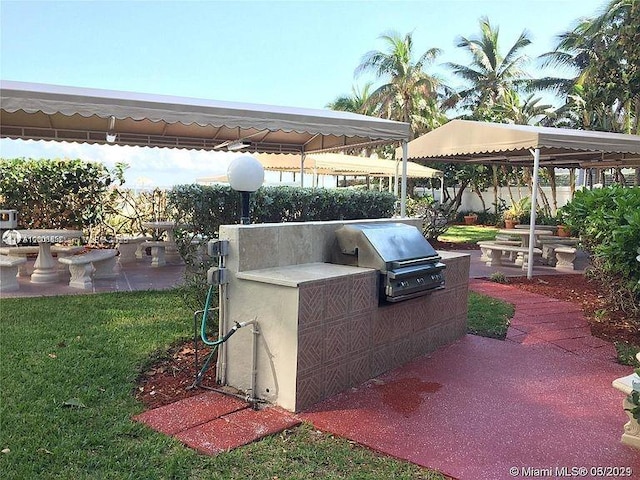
233	145
246	175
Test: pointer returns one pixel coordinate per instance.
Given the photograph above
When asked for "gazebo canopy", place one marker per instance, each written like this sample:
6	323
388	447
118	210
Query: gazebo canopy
484	142
340	164
50	112
491	143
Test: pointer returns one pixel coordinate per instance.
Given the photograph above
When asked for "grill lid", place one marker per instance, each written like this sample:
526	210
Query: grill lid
393	242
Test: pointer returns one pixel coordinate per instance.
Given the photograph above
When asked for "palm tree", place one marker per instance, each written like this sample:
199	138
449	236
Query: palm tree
407	84
528	112
357	102
490	75
603	54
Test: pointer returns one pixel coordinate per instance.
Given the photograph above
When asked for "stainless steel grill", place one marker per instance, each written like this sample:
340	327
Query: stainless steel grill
409	266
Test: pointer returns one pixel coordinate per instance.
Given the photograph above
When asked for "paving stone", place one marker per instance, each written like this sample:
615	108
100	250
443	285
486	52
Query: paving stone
187	413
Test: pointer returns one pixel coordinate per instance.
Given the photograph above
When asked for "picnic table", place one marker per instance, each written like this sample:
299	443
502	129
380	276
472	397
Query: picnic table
45	268
166	227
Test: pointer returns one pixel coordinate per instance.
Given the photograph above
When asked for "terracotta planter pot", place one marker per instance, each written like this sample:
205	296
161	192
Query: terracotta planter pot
563	231
470	219
510	224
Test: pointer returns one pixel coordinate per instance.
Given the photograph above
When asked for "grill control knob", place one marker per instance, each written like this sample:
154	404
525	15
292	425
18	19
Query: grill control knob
404	283
420	280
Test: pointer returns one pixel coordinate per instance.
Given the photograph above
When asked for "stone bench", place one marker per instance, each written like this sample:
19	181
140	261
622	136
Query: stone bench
20	252
9	271
502	241
631	432
565	256
100	263
495	251
62	251
130	248
157	252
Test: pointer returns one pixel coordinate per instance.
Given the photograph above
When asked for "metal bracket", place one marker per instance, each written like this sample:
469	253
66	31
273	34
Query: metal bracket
218	248
217	276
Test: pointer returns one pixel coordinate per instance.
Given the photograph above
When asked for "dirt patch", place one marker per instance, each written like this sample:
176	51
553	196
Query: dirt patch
171	377
168	379
440	245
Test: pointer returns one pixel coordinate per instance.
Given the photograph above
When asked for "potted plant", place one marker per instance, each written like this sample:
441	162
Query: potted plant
510	220
470	219
563	229
514	213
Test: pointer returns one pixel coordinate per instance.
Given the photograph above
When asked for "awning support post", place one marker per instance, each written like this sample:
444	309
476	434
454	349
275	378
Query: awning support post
532	216
403	190
302	169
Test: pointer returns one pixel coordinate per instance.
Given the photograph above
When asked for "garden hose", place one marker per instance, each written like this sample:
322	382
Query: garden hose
216	343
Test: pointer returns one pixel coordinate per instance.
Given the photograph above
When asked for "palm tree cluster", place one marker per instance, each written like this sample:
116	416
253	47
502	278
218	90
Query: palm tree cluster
602	90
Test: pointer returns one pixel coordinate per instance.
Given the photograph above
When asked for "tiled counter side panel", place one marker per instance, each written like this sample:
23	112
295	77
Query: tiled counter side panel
334	329
346	340
457	272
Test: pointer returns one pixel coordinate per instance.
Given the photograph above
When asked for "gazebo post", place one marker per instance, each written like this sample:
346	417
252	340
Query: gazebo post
403	190
532	215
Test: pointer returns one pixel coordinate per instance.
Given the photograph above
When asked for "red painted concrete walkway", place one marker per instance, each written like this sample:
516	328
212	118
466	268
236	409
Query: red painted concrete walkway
213	423
472	410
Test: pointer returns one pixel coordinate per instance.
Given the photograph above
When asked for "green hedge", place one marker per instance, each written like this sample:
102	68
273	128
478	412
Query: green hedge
608	222
54	193
205	208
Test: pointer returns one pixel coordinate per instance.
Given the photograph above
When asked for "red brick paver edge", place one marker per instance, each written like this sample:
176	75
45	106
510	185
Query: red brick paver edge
539	319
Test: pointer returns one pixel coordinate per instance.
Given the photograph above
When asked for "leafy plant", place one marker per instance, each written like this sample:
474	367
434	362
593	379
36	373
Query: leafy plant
436	219
518	210
498	277
56	193
608	222
634	398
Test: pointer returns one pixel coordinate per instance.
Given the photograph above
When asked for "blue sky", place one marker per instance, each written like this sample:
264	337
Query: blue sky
297	53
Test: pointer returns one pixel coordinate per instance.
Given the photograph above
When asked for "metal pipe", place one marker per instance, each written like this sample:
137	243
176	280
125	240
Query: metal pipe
532	215
254	366
403	190
221	367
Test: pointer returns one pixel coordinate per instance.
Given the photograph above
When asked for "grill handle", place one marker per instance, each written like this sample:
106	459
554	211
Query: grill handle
414	261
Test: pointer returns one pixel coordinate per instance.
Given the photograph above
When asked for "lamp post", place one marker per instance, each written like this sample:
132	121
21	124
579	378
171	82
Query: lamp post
246	175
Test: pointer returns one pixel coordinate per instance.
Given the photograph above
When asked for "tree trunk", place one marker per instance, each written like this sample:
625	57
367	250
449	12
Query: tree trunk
457	200
552	183
494	170
572	181
479	194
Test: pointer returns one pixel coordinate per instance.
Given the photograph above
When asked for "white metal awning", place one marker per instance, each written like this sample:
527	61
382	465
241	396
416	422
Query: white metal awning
61	113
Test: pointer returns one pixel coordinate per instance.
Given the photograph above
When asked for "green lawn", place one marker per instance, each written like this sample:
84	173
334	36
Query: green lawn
468	234
87	350
488	317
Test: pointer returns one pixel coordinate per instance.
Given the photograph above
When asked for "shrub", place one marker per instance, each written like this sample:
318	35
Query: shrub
205	208
55	193
498	277
202	209
608	222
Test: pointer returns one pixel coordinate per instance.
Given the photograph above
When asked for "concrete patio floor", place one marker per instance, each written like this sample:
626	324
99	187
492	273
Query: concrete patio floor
131	277
141	276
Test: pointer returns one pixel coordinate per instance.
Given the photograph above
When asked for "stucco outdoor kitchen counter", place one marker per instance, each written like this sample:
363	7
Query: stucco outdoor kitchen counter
296	275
